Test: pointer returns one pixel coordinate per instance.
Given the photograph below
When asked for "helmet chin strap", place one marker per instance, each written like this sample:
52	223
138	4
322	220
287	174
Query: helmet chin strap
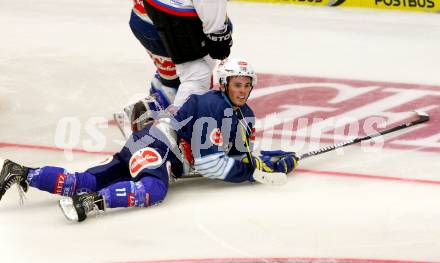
229	98
225	91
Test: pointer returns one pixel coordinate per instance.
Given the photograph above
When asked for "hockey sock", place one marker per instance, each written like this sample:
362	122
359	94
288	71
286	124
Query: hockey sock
57	180
148	191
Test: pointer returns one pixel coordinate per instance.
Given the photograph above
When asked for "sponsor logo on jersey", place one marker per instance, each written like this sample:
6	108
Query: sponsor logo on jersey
165	67
310	111
144	158
216	137
61	178
252	135
131	200
177	2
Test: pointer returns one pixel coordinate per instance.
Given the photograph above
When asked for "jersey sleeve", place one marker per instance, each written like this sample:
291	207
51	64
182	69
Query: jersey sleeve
213	157
209	126
212	13
223	167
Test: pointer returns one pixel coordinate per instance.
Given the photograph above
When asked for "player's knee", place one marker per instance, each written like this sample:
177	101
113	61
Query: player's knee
198	71
155	190
144	193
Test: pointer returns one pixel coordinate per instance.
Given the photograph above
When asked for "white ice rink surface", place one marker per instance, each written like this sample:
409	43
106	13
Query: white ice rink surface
79	59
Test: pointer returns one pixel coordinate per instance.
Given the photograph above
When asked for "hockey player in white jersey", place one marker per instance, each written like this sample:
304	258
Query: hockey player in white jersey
165	81
194	33
189	33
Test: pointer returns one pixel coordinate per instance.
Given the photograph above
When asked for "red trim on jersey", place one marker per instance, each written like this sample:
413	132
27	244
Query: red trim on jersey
140	9
170	11
61	178
186	148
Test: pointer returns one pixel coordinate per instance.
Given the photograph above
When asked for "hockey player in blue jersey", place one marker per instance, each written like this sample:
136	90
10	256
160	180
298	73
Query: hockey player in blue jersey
210	135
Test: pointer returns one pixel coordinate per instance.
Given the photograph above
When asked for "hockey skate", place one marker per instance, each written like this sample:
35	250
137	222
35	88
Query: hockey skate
12	173
77	207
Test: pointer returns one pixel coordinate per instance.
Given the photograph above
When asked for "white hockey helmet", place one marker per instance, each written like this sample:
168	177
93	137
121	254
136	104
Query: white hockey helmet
235	67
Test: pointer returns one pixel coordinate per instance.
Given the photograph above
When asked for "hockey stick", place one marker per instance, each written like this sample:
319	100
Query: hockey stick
274	178
121	121
422	117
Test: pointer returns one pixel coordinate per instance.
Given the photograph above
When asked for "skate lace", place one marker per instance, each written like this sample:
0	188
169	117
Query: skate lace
96	211
88	204
15	180
91	207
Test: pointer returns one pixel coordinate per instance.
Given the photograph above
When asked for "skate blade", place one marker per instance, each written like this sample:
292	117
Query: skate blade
270	178
123	124
68	209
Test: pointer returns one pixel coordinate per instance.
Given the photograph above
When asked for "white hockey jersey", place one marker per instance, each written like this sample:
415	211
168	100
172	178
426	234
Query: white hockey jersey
212	13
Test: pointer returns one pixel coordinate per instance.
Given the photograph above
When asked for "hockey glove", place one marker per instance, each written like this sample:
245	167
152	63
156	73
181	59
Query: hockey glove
285	162
276	155
219	44
262	163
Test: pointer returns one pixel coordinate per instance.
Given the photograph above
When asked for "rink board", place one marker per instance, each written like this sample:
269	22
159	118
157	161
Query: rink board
401	5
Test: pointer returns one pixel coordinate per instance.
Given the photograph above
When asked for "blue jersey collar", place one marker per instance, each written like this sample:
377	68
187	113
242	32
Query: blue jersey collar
228	101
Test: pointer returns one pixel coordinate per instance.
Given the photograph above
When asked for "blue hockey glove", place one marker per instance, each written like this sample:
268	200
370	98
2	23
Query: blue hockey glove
276	155
285	162
219	44
262	163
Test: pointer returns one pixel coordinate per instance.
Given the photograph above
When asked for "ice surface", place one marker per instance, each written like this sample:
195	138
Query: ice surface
78	59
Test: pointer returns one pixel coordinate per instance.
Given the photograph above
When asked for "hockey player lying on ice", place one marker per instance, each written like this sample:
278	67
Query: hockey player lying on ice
211	134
